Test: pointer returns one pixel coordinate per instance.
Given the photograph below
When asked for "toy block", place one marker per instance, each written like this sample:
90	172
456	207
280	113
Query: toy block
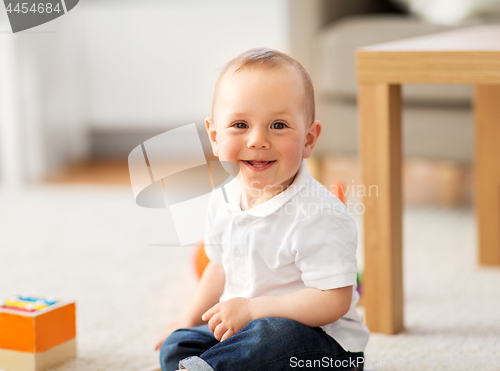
36	334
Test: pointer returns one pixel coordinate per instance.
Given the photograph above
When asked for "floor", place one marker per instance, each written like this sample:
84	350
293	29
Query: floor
90	242
102	172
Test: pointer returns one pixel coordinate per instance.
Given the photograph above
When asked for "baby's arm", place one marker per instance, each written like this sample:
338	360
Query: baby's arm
207	294
309	306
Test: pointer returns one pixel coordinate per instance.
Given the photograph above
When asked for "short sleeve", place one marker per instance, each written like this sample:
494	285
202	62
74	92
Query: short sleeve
212	240
325	244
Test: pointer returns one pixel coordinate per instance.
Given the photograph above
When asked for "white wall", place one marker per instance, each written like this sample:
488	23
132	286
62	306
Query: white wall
154	63
42	101
120	65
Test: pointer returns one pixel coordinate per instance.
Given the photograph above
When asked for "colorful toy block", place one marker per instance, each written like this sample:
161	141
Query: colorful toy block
36	334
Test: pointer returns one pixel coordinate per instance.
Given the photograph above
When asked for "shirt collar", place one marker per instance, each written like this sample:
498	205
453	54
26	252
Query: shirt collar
233	192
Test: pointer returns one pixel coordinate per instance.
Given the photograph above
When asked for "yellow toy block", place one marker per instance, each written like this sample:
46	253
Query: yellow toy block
36	334
39	304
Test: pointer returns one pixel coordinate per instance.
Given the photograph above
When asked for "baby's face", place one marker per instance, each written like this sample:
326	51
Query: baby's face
261	123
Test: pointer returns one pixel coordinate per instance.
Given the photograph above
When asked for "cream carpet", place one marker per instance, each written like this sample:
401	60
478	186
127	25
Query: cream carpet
92	244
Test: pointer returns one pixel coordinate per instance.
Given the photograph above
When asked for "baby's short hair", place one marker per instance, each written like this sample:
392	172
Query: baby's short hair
270	58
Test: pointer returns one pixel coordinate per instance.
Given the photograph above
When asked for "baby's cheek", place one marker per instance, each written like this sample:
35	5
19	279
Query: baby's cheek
228	150
292	150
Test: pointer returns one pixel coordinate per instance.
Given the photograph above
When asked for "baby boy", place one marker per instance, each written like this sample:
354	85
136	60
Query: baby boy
279	290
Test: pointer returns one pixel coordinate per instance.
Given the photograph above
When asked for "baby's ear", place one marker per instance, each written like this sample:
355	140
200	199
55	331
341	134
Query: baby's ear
312	135
212	135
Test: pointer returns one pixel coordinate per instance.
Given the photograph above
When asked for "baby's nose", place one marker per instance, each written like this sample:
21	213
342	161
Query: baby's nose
258	139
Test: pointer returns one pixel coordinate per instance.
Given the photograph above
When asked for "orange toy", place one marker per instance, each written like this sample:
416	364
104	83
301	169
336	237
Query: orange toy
200	260
36	336
338	190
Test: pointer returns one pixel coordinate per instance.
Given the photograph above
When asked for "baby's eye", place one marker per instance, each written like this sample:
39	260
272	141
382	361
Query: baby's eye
240	125
278	125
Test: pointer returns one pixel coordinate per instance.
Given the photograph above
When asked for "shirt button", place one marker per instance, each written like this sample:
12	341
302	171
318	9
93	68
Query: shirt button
242	222
237	252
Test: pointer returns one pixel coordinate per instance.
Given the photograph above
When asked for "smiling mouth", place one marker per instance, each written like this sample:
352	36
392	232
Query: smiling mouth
259	164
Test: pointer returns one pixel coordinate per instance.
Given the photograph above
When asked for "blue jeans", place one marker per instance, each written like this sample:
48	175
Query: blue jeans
263	344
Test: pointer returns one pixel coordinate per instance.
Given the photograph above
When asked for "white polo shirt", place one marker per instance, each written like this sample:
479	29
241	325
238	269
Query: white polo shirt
302	237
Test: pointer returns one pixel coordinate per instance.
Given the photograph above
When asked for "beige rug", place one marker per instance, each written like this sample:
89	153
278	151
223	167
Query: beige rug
91	244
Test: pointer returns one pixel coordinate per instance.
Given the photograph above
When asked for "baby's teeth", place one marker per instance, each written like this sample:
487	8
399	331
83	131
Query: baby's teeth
258	165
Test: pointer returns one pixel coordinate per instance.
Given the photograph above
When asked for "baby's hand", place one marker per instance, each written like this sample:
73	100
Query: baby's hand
172	326
227	318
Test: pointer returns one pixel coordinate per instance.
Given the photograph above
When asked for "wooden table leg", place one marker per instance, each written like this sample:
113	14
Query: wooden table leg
487	172
381	157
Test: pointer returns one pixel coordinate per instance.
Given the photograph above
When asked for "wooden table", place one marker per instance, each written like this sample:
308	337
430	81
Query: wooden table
465	56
